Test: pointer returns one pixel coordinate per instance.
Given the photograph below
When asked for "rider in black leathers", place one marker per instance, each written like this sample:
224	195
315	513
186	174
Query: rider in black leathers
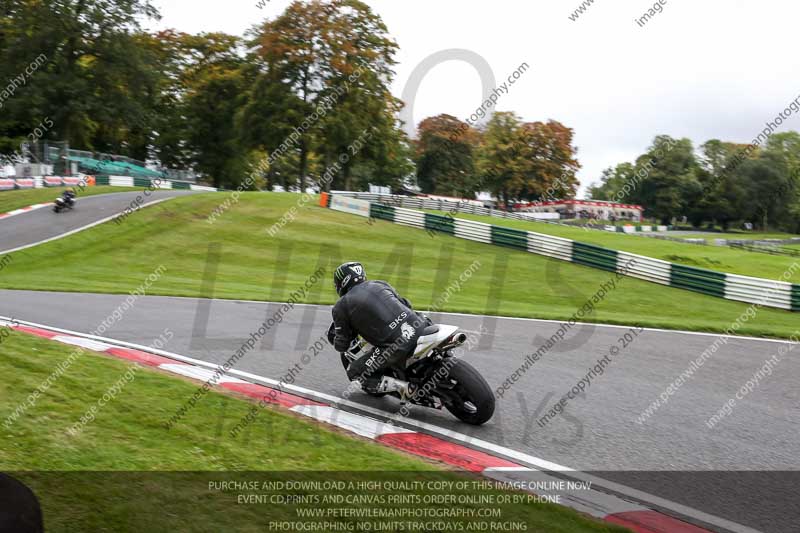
374	310
69	197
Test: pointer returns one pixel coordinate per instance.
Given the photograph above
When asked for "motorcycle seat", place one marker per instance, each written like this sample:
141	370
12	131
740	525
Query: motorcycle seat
430	330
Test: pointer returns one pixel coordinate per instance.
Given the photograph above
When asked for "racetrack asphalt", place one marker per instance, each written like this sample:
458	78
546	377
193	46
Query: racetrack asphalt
744	469
42	224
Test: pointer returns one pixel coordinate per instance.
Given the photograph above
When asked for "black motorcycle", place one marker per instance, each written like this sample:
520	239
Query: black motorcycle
433	377
62	204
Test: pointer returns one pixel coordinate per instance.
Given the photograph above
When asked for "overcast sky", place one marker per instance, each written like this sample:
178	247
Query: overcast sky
702	70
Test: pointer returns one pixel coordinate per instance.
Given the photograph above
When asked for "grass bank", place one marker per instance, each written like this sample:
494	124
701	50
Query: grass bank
126	472
744	236
247	263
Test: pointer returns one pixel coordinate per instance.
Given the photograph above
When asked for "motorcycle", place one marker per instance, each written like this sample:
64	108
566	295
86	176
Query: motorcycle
433	377
62	204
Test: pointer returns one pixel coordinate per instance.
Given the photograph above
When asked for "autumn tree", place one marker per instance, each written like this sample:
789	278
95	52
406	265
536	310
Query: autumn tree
549	161
445	156
327	68
361	71
527	161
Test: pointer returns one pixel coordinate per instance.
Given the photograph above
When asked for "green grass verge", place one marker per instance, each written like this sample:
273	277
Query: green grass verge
252	265
80	482
10	200
719	258
744	236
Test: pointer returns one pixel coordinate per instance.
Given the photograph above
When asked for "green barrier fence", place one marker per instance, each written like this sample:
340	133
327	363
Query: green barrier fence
510	237
699	280
439	223
381	211
594	256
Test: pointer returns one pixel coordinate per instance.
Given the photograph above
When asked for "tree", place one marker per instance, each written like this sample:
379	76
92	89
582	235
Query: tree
293	49
331	62
360	66
669	178
549	161
530	161
612	184
499	164
722	198
783	151
762	178
96	83
215	82
170	147
786	146
445	156
387	157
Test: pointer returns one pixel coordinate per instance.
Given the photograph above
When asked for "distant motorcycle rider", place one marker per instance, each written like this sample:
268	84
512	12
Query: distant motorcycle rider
69	196
374	310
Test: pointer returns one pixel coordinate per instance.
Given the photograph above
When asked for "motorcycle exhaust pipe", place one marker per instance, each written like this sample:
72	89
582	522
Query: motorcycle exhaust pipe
390	384
456	341
460	339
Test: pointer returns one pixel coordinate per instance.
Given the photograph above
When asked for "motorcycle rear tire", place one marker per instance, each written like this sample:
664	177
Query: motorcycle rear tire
471	387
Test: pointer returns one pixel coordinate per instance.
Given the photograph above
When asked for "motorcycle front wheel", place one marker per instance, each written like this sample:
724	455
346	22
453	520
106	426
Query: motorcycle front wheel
474	399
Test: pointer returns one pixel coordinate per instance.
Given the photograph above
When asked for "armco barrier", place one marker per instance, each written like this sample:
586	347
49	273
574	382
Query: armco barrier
594	256
194	187
38	182
462	206
437	204
62	181
8	184
128	181
437	223
765	292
